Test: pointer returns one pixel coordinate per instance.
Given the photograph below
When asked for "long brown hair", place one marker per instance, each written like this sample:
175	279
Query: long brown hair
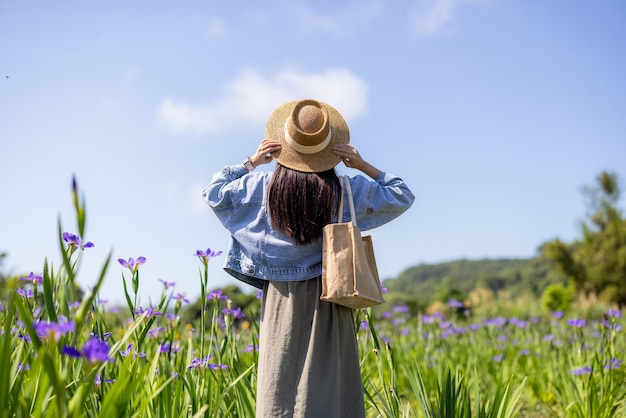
301	204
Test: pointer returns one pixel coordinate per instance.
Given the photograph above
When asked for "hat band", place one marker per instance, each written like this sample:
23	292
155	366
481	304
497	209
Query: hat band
307	149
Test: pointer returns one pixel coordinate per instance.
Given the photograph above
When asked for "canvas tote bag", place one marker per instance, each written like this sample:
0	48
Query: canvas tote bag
349	272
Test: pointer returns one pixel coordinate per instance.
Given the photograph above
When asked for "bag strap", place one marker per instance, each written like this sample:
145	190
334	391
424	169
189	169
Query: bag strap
348	189
350	200
340	214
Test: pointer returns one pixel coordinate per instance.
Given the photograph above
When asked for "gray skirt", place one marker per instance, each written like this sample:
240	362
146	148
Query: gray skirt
308	355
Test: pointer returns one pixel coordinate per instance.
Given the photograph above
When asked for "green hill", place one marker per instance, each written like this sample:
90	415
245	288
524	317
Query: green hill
425	283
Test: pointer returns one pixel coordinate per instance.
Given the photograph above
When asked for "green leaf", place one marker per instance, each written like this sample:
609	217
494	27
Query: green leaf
48	289
85	306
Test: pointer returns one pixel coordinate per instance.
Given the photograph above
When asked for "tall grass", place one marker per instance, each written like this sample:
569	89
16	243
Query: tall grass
66	354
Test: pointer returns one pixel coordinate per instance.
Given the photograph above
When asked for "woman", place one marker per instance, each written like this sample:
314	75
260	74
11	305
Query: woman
308	355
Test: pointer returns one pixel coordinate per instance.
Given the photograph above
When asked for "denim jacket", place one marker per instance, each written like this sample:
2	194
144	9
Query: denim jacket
257	252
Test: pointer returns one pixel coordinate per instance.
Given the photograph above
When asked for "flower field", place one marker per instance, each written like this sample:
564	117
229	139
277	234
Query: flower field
67	355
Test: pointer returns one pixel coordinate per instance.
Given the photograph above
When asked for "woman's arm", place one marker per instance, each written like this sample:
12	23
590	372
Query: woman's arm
263	152
376	202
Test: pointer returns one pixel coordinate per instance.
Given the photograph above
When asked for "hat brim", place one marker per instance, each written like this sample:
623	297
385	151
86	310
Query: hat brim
310	163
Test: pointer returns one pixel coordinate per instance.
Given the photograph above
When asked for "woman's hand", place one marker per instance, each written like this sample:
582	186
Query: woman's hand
351	158
262	154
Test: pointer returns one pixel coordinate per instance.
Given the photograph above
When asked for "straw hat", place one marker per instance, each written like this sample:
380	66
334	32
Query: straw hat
307	131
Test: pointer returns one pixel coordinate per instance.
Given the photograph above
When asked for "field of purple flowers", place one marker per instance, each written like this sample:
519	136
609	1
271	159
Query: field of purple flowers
65	354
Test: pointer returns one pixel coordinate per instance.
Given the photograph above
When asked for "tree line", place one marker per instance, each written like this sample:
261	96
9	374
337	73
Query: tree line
594	264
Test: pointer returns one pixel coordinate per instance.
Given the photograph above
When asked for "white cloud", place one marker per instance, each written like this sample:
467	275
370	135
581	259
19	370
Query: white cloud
431	17
251	97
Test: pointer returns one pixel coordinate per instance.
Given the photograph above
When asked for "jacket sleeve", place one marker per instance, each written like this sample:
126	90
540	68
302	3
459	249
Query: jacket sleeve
221	191
380	201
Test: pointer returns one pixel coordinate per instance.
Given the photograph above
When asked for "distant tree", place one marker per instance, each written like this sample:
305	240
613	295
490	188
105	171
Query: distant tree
596	263
557	297
9	282
3	275
247	302
4	278
447	291
495	283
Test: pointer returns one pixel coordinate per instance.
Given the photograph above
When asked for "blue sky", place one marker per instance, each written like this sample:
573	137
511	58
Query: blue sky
495	112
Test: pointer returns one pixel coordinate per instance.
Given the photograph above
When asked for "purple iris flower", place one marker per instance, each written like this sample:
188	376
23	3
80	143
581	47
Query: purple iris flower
236	313
35	279
250	348
180	297
220	366
93	351
518	322
205	256
73	305
74	242
614	313
397	321
581	370
578	323
172	317
26	293
132	264
453	303
129	349
99	380
614	364
167	347
497	321
611	325
155	332
448	332
217	294
167	284
105	336
149	312
96	350
197	363
54	330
